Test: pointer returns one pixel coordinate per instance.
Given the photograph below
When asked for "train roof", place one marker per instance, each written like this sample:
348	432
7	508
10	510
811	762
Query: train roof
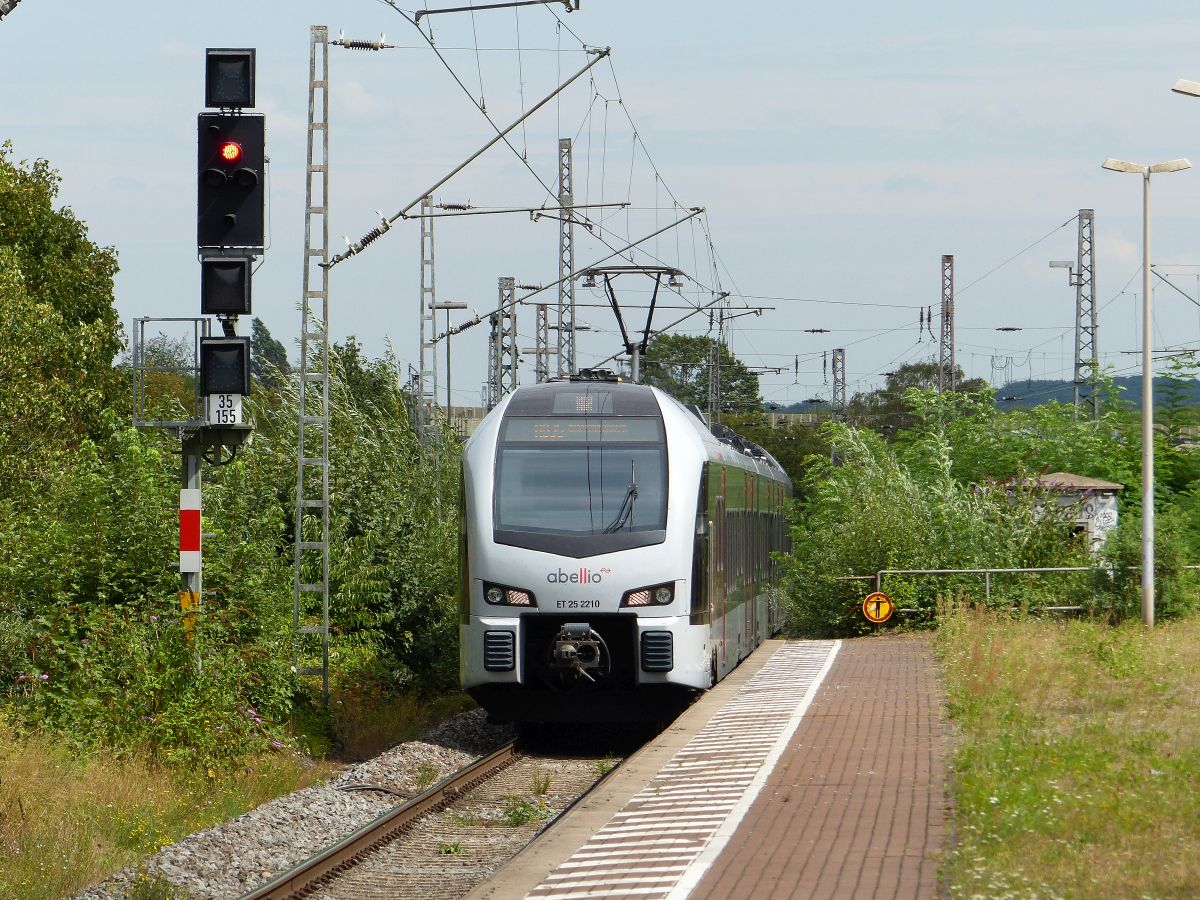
584	396
601	393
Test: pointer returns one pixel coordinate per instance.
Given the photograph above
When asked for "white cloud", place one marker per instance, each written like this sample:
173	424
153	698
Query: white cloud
1116	251
176	51
356	101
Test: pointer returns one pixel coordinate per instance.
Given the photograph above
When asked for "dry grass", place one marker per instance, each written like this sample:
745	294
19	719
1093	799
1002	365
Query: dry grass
366	726
67	822
1077	761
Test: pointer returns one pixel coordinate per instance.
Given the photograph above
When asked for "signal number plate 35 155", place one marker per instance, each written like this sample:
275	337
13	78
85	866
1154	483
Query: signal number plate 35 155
225	409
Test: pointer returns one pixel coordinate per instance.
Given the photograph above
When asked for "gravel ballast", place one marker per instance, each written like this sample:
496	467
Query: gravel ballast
235	857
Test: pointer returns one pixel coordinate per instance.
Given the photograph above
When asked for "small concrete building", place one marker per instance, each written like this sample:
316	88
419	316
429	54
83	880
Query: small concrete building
1093	499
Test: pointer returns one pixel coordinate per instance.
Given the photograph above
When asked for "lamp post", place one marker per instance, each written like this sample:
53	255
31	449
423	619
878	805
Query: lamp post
1174	165
447	306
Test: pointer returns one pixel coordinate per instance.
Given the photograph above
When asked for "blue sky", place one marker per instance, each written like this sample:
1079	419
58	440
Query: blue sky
839	151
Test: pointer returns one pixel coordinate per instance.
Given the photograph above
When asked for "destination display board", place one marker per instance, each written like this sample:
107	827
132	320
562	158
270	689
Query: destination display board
594	430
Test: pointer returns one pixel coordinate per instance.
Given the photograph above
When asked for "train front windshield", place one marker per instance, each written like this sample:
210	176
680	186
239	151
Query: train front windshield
581	476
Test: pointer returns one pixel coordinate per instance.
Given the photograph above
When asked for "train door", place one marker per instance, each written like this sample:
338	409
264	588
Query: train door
721	576
723	556
751	592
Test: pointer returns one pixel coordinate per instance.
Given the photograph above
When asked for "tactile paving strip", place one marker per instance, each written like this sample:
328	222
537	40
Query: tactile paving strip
662	840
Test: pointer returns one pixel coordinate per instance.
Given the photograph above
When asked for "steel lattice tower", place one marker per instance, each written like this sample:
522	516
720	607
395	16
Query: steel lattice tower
1087	325
491	387
427	365
311	584
714	367
947	363
714	383
839	385
566	262
510	355
503	354
541	359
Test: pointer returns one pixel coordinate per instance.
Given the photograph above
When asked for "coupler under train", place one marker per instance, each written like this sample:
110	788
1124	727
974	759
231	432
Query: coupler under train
579	656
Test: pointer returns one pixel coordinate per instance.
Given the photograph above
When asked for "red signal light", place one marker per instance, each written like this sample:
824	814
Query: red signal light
230	152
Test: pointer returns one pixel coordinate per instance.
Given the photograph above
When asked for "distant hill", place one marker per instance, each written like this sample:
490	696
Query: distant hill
1036	391
822	406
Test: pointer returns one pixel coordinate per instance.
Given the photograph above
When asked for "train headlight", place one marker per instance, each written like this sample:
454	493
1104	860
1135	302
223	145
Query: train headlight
500	595
659	594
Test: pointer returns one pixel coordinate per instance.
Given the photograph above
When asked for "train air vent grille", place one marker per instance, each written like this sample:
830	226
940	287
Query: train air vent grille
657	651
499	651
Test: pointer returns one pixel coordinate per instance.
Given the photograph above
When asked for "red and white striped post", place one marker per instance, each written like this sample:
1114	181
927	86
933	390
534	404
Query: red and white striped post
189	536
189	530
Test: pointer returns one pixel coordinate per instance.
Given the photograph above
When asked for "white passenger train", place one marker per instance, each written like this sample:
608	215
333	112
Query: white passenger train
615	552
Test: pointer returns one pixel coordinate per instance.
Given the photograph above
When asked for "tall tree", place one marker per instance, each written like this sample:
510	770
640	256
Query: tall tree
680	364
61	331
268	360
884	409
370	382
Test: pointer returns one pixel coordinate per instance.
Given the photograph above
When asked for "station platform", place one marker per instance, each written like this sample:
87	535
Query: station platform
814	770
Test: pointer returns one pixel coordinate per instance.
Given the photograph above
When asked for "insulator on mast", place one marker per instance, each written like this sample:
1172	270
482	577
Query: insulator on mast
367	239
379	44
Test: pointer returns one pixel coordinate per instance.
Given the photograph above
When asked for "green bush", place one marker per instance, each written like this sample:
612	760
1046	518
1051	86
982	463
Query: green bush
879	506
130	677
1117	581
88	592
393	528
92	644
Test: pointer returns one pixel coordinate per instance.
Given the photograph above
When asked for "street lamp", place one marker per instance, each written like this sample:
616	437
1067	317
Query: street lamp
1174	165
1191	88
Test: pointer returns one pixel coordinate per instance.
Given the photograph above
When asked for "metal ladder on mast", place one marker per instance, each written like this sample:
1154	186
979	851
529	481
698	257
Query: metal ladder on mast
311	624
428	365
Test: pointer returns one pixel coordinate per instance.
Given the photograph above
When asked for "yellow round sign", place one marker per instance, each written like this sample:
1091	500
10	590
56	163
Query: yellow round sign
878	607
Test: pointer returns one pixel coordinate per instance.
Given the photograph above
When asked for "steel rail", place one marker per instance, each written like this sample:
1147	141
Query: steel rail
345	852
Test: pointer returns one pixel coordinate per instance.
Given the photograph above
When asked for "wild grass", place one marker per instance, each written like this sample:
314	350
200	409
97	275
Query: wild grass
519	811
67	821
366	724
1077	757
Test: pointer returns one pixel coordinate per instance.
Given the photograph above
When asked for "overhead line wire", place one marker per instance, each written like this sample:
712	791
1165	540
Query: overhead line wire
478	63
446	64
481	107
521	79
1015	255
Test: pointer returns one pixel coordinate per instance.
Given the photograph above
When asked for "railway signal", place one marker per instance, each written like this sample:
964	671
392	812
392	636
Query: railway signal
229	77
224	365
230	200
230	182
225	286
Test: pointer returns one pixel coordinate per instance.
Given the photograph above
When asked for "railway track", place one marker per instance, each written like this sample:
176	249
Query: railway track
443	842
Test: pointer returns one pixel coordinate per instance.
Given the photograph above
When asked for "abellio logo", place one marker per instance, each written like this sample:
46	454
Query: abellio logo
583	576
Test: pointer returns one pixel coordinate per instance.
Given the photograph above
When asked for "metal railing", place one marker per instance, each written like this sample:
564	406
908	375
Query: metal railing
987	574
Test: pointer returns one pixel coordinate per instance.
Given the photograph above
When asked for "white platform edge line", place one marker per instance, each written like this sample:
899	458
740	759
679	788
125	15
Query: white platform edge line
709	854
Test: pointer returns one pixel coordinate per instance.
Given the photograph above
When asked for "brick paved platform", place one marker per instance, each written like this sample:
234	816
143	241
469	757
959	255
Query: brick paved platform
855	807
815	770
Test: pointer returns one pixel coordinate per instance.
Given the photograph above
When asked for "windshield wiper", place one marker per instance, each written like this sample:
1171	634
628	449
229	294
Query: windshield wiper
625	513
